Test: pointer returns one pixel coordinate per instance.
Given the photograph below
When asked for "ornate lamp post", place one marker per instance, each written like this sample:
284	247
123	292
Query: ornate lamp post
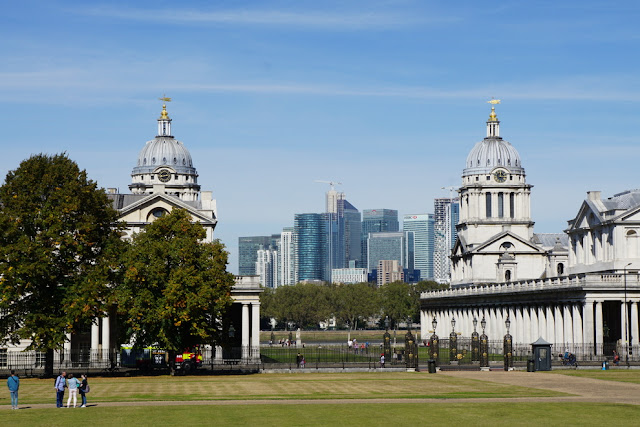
409	346
508	347
434	344
453	342
484	345
475	342
386	338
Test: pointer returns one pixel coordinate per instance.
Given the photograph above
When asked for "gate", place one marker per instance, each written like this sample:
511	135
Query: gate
460	353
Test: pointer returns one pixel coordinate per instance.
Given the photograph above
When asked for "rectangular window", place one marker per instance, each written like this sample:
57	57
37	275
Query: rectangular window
512	205
488	205
3	358
500	205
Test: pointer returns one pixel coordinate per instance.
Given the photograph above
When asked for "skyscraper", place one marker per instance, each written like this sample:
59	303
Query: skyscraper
391	246
311	246
422	227
446	214
248	253
287	252
268	267
376	221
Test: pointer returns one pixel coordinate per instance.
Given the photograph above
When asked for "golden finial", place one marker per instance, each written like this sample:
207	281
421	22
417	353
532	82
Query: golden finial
164	114
493	117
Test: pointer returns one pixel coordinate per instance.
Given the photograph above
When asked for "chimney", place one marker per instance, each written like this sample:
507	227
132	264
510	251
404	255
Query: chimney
593	195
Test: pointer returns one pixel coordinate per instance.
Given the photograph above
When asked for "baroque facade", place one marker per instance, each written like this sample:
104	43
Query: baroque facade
579	289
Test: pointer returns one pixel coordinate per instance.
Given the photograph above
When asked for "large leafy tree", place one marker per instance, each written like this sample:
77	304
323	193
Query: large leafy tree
56	227
303	304
398	301
353	302
176	288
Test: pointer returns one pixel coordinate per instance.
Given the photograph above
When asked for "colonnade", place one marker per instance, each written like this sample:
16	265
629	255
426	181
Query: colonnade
572	323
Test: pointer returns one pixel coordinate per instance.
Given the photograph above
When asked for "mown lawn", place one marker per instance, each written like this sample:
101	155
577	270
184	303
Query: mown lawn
373	336
279	386
616	374
476	414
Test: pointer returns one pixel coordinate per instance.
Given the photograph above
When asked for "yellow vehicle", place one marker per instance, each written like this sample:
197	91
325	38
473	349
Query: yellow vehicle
189	360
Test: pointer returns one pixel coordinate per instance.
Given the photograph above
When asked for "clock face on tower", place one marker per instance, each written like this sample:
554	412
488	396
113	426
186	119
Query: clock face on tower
164	175
500	175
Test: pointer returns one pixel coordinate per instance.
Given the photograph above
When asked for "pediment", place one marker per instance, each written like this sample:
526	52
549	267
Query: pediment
508	242
141	210
588	217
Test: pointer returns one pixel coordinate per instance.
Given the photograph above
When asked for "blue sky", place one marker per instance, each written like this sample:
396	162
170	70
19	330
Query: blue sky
387	97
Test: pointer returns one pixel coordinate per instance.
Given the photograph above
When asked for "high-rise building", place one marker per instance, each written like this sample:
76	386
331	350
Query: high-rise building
268	267
389	271
344	223
422	227
248	252
446	214
390	246
376	221
311	246
287	252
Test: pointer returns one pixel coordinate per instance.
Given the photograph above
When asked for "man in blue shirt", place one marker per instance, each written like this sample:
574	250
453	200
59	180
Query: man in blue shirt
61	383
13	382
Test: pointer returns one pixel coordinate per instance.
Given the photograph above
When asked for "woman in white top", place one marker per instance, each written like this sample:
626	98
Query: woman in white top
72	384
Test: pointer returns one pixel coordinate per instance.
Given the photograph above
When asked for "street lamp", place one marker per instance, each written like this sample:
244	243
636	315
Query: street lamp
386	322
453	324
626	316
507	323
483	323
434	323
409	323
475	323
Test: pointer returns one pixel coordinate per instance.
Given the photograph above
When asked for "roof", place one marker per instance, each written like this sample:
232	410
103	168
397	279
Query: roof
491	153
121	201
549	240
623	201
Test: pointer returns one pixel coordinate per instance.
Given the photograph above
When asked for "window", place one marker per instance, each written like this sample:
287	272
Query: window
560	269
512	205
3	358
488	205
507	275
500	205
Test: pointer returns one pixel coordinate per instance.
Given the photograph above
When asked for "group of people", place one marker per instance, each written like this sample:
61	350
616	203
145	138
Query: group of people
353	344
74	385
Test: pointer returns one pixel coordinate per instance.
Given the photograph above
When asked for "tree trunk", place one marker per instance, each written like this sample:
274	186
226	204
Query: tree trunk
48	364
172	362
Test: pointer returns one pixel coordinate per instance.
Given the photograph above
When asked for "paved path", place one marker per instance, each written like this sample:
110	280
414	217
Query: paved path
578	389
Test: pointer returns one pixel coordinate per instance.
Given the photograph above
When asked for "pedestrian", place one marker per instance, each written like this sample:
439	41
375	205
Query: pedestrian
382	360
72	384
13	382
84	389
60	385
616	358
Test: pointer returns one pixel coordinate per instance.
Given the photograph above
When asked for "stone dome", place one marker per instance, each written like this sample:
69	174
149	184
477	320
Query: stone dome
491	153
164	151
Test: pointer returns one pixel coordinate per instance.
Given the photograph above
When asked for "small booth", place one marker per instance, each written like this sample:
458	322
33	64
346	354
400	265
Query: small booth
542	355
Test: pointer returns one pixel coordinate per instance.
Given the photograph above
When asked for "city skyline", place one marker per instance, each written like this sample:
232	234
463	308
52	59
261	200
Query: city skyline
385	97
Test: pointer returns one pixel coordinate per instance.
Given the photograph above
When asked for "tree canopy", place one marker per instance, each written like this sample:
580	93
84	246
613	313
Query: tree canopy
56	228
175	287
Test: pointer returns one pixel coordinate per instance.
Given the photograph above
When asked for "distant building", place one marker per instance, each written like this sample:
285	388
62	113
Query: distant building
422	227
351	274
390	246
248	252
376	221
268	267
311	246
446	215
287	254
389	271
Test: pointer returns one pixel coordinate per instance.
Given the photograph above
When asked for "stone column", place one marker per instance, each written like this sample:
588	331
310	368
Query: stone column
599	328
560	332
67	345
526	326
588	325
106	335
634	326
95	336
533	315
577	324
568	326
255	330
245	342
552	321
542	322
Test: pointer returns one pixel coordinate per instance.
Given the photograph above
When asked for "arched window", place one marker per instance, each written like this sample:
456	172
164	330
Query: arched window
632	244
506	246
560	269
507	275
156	213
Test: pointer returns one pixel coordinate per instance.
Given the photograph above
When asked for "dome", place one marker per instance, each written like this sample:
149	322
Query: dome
491	153
164	151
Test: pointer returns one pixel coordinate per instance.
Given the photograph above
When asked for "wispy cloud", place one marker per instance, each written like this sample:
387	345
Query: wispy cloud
346	20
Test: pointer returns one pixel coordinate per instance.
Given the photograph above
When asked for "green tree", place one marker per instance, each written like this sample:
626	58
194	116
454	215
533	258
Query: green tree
176	288
354	302
303	304
398	301
55	230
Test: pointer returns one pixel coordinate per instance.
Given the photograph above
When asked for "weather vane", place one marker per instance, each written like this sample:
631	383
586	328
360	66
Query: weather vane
164	98
493	101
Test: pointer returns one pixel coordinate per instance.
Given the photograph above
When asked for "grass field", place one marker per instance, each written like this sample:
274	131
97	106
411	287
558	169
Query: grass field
278	386
476	414
619	374
333	336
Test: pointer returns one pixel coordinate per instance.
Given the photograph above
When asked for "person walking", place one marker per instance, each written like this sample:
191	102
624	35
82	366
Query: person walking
83	390
13	382
72	384
60	384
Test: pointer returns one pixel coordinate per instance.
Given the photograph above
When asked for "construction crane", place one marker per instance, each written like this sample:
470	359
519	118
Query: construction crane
452	190
332	184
